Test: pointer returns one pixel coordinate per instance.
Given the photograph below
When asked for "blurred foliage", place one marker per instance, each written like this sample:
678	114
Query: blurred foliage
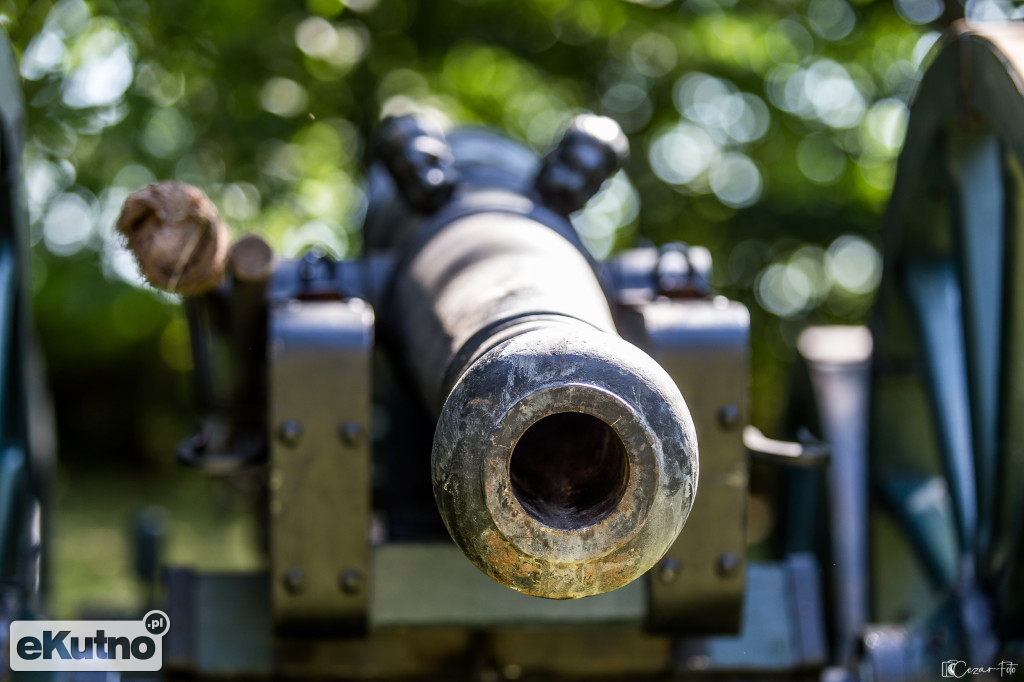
766	131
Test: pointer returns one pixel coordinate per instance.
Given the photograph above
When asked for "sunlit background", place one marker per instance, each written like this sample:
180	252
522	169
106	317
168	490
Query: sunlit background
765	131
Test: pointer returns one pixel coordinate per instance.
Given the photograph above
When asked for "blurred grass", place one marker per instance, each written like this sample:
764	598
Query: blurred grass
212	525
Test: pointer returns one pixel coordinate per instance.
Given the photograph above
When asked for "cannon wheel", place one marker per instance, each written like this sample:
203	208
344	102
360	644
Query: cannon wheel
26	434
947	396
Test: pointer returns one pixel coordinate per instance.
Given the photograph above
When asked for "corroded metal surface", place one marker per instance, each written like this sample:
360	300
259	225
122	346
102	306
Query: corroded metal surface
564	459
572	547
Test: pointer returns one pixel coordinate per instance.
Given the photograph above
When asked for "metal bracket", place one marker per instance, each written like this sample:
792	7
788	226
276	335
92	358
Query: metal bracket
703	344
320	369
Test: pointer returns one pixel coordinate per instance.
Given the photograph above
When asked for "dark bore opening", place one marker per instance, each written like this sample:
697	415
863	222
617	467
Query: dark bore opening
569	470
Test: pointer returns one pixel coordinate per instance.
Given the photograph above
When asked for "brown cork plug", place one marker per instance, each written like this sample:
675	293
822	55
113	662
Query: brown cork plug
178	239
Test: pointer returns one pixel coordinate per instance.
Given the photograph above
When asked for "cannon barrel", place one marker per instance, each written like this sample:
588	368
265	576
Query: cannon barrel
564	460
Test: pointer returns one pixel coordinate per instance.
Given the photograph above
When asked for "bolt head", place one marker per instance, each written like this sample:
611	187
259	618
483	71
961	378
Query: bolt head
294	580
351	581
669	569
728	565
290	432
729	416
351	432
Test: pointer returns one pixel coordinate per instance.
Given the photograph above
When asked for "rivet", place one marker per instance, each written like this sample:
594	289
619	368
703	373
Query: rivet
668	569
290	432
351	581
729	416
351	432
728	564
294	580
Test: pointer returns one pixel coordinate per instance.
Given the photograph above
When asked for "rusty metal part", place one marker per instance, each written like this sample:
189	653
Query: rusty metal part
564	460
178	239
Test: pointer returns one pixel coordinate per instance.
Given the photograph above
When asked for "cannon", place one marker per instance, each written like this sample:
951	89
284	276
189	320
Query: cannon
477	446
477	377
564	461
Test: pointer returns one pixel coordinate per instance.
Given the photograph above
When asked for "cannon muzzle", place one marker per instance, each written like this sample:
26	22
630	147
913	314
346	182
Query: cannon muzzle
564	460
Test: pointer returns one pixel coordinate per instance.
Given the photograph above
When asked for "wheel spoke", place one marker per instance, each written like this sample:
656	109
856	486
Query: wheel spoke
976	169
923	507
1007	550
934	292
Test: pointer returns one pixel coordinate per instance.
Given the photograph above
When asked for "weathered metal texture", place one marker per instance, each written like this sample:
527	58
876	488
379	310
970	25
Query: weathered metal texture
953	240
703	345
577	520
319	480
475	275
564	461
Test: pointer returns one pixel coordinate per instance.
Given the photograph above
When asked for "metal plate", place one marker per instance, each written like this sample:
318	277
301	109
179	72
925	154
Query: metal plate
703	345
319	387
